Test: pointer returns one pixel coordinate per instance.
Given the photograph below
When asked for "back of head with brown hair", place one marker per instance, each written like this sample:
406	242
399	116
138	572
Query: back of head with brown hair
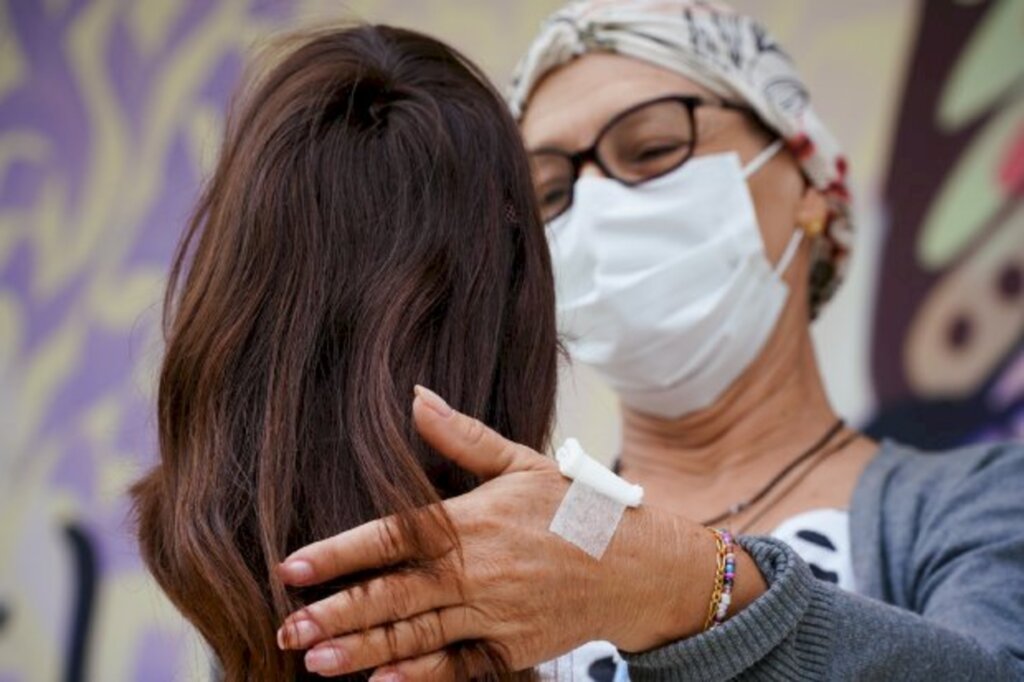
370	225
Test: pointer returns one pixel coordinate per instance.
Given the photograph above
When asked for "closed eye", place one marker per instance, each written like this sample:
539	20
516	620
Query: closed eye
658	152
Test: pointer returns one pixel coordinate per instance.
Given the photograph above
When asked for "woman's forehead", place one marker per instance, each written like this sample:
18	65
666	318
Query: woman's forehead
572	103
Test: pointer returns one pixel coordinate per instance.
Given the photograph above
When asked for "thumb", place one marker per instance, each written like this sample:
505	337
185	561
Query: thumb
467	441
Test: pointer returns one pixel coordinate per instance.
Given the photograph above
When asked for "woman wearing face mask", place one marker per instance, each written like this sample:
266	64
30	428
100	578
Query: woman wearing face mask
698	220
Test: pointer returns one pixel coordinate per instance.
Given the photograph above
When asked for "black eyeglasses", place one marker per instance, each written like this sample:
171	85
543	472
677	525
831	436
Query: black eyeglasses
639	144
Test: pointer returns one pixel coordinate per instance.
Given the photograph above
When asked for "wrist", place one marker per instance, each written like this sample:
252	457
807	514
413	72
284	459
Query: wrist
674	582
667	573
686	586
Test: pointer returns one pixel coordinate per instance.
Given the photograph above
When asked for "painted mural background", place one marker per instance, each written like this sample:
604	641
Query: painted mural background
946	351
110	112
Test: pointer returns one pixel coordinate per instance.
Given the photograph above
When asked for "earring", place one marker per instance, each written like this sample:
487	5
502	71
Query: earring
814	227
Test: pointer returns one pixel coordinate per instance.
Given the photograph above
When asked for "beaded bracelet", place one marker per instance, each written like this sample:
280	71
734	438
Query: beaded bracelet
725	576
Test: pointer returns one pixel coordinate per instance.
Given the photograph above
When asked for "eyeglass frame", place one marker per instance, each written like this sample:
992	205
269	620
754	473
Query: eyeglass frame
578	158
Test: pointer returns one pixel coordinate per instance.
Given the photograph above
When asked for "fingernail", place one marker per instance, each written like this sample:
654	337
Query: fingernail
433	401
324	659
297	571
298	635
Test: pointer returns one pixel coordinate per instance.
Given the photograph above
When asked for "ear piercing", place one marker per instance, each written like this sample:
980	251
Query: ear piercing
814	227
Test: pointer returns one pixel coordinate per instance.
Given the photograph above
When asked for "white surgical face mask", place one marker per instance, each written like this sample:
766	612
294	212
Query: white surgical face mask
665	287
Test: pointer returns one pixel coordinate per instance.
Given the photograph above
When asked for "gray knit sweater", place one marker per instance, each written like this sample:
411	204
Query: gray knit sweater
938	554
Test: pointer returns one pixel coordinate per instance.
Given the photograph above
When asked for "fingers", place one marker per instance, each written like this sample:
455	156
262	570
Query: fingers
466	441
383	600
371	545
410	638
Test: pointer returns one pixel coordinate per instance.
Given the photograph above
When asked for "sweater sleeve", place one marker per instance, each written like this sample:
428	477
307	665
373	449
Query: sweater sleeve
958	580
806	629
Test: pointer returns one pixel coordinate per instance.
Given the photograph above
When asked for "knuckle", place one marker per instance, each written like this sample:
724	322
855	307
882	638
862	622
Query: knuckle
330	614
390	538
490	519
511	452
306	612
508	507
448	572
427	630
476	432
399	599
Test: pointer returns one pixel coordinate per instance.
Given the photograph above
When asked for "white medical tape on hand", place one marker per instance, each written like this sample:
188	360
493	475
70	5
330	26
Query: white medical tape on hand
594	504
587	519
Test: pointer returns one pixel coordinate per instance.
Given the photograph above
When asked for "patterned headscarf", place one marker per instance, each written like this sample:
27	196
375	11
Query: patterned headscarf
733	56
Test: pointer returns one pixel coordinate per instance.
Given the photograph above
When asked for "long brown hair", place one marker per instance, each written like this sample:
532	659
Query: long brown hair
370	225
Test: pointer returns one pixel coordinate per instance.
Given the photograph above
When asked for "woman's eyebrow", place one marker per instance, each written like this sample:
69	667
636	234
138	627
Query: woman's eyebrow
563	134
569	138
557	141
541	148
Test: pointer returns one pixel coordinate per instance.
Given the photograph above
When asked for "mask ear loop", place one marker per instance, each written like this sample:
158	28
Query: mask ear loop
762	158
789	253
794	242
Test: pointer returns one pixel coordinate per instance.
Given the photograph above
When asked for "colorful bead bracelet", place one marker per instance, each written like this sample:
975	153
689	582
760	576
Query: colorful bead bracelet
725	576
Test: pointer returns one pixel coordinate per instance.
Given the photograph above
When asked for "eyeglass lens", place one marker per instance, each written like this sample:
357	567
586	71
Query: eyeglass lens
641	145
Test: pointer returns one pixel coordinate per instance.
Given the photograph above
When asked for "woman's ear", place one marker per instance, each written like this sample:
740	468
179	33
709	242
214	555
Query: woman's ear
812	211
